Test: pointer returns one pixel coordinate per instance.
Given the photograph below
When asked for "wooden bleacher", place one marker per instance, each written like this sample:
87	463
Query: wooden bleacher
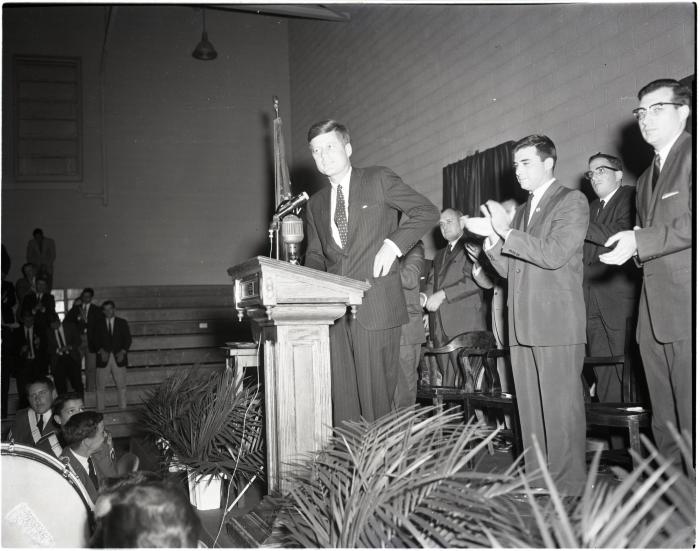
174	327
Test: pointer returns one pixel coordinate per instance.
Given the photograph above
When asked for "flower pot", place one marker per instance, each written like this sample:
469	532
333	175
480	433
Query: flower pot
205	491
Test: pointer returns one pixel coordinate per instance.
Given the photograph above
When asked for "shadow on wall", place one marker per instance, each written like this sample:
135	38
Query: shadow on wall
635	153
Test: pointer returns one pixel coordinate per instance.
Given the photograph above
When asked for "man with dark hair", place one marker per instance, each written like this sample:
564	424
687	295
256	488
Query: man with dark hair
140	510
86	315
64	353
541	254
111	340
84	434
32	423
452	298
41	252
661	244
352	230
30	352
610	293
41	303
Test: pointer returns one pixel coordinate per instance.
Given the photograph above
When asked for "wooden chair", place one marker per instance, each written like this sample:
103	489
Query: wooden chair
487	395
628	414
465	351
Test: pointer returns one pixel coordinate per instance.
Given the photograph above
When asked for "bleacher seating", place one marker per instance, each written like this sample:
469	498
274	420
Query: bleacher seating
173	327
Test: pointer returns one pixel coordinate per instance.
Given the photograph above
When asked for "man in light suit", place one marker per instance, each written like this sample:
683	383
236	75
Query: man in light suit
112	340
541	254
454	300
413	332
84	434
41	252
661	243
610	293
352	230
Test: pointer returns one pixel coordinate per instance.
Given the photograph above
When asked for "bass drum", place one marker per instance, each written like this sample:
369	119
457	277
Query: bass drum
43	502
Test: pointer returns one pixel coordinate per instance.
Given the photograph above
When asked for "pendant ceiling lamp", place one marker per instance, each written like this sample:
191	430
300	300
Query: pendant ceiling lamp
205	49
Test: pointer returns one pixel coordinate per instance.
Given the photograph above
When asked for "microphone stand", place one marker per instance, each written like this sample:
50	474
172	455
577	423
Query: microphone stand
274	235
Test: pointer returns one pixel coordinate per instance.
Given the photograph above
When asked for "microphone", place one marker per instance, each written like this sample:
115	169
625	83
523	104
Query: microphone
292	235
293	203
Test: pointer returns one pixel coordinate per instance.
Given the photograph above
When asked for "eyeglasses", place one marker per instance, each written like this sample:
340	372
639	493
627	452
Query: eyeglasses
640	113
600	170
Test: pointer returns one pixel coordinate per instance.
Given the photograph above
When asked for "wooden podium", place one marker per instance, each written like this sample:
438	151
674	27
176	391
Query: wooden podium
294	306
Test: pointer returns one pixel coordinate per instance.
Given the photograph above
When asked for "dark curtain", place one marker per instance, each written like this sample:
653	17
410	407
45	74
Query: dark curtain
469	183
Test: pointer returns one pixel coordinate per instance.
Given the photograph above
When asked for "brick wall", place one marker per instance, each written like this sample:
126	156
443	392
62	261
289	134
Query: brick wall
423	86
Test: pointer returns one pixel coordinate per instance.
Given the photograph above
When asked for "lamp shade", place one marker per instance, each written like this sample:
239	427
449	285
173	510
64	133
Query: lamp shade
205	49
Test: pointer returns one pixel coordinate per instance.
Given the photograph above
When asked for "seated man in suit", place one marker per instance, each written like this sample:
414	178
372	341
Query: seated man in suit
64	353
412	333
84	434
454	300
610	292
32	423
41	303
111	340
30	353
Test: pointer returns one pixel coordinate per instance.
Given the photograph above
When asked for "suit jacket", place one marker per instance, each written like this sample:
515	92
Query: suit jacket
21	431
94	316
664	242
463	307
119	340
376	197
44	258
82	474
614	288
31	301
22	288
72	342
544	267
411	266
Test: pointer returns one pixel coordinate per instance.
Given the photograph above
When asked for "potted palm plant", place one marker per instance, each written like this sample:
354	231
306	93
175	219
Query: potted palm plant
209	425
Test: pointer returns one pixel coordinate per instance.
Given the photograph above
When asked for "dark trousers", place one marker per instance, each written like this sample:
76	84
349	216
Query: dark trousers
550	404
65	369
364	370
668	368
605	340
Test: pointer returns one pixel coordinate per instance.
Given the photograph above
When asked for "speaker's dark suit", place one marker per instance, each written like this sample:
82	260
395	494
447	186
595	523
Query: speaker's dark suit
543	261
65	362
364	352
610	292
665	326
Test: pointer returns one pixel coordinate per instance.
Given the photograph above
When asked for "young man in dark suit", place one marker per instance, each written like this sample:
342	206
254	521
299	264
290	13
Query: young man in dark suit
610	293
453	298
64	353
541	254
84	434
661	243
41	303
352	230
86	315
36	421
112	340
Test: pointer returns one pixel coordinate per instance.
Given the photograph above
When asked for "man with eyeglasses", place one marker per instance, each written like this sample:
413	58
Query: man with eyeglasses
661	244
610	292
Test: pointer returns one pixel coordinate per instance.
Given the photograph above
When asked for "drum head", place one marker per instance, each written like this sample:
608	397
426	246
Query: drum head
41	506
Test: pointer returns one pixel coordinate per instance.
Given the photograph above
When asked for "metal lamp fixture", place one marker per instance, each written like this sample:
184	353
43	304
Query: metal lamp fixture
205	49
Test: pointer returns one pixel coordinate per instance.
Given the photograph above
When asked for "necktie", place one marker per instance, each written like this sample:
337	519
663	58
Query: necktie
92	474
30	340
40	422
59	339
656	171
600	208
110	326
85	312
528	205
340	218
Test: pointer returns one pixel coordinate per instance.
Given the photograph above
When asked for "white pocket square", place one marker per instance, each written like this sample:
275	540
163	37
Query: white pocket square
365	206
669	194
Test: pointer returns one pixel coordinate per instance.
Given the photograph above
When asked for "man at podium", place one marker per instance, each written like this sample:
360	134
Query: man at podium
353	230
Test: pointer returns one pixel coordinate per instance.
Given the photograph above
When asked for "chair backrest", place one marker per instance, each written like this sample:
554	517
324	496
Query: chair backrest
474	343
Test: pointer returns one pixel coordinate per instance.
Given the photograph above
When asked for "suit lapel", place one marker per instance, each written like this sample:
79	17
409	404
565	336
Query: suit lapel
664	182
355	201
543	206
323	216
